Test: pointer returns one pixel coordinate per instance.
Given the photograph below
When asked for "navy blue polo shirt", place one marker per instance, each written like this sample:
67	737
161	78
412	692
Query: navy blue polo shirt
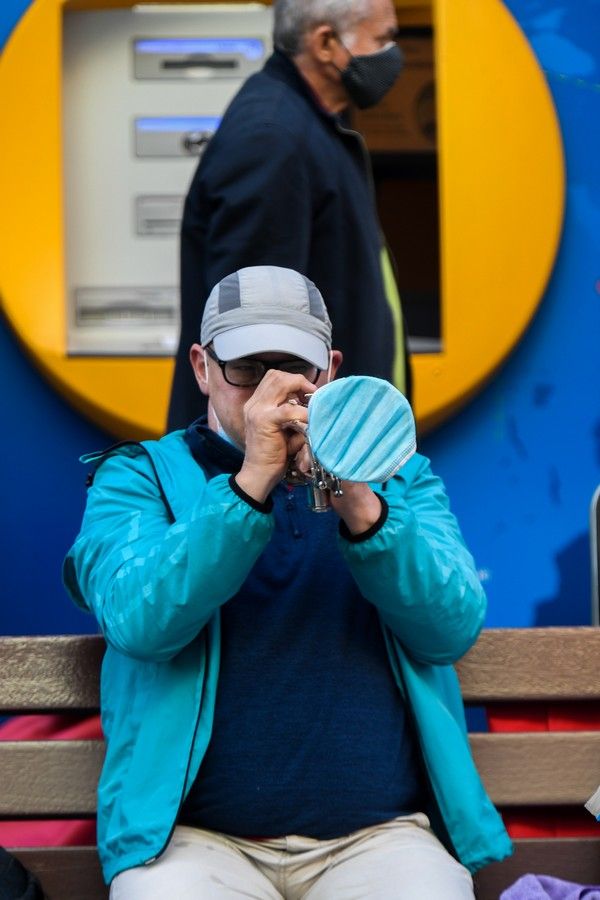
310	735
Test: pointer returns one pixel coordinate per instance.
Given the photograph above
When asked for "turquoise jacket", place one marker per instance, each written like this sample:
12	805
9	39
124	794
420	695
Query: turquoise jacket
161	548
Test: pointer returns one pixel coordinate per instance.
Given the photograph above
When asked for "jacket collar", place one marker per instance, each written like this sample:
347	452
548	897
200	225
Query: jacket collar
211	452
282	68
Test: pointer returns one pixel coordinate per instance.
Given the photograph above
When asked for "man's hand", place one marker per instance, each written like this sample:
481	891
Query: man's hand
359	507
269	439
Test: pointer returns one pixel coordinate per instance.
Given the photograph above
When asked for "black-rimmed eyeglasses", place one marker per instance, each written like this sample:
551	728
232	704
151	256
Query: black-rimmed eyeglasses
248	372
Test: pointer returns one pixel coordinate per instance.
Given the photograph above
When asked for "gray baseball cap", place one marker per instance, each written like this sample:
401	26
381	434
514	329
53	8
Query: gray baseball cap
262	309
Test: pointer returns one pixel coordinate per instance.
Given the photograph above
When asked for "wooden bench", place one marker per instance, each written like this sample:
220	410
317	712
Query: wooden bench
534	770
52	779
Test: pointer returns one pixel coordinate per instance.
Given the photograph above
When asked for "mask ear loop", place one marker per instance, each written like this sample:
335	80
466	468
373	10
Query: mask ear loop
205	380
337	38
330	366
220	430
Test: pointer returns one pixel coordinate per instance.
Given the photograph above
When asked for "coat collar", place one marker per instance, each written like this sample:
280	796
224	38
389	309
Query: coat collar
282	68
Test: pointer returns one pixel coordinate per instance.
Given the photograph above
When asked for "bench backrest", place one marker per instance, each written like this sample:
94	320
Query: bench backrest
51	779
537	668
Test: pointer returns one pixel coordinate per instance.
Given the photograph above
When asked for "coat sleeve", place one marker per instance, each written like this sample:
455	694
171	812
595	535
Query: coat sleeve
417	570
253	197
153	585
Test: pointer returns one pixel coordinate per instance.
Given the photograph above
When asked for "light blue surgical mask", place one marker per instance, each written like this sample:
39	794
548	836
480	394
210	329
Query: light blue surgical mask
220	430
361	428
223	434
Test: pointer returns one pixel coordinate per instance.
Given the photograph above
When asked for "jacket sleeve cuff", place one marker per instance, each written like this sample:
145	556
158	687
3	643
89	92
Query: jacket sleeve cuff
265	507
370	532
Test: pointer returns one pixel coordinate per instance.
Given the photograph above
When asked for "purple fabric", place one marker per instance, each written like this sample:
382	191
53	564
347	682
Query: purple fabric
544	887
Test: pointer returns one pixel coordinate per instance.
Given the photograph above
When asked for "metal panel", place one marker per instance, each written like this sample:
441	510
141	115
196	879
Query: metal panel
143	91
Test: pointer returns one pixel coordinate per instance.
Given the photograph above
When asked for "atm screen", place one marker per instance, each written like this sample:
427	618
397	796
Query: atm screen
205	57
251	48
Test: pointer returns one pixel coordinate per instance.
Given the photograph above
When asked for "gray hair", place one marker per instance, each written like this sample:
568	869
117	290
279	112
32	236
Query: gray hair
294	18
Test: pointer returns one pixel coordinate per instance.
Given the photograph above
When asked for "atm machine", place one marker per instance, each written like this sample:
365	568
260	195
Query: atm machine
131	96
144	89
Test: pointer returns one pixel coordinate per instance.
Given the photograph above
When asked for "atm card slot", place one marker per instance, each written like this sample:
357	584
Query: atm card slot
206	62
114	321
124	307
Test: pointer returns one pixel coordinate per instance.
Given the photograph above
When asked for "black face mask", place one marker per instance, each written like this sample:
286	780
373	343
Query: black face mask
368	77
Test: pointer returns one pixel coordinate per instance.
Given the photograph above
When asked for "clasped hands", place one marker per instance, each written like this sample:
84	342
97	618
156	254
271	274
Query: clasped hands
273	419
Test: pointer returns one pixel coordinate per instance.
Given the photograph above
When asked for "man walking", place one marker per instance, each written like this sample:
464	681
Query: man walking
285	182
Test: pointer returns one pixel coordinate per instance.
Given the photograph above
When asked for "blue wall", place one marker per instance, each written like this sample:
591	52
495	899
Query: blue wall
520	463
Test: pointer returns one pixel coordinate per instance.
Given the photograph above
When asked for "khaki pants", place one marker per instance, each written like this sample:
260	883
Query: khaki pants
397	860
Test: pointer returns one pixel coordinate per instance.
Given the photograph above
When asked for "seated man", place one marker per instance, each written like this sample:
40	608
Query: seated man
280	714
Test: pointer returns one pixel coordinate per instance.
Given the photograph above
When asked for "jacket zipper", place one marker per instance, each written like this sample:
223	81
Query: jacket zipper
153	859
369	175
445	837
365	158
